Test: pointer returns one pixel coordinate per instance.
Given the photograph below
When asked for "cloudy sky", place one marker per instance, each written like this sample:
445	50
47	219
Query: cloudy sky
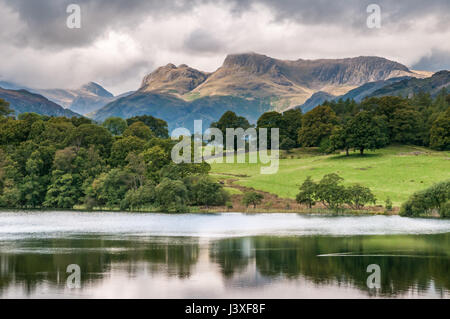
122	40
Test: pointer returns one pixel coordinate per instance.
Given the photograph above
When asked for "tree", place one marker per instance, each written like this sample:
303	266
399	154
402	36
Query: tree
123	146
252	198
330	192
316	125
358	196
4	108
440	132
139	130
110	188
230	120
171	195
292	120
406	126
157	126
115	125
307	193
204	191
87	135
366	131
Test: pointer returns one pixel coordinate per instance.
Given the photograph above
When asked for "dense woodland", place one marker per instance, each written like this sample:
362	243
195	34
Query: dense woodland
57	162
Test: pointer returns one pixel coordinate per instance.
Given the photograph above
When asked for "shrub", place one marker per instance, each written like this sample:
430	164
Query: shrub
252	198
358	196
388	204
307	193
330	192
426	201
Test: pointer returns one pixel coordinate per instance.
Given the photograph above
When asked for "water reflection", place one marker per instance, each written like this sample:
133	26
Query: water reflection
230	267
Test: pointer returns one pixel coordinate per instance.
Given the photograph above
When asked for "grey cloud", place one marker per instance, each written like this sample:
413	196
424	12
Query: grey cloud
45	19
201	41
438	60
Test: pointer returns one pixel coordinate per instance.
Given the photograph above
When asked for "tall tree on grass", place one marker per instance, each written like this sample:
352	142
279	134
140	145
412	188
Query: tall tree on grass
366	131
307	193
252	198
440	132
316	125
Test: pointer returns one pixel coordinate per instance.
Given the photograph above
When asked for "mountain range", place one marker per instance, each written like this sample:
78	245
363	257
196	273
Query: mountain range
248	84
86	99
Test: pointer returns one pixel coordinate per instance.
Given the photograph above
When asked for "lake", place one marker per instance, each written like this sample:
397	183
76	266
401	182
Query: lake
229	255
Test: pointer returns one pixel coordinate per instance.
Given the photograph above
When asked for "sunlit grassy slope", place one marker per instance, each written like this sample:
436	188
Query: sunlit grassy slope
394	172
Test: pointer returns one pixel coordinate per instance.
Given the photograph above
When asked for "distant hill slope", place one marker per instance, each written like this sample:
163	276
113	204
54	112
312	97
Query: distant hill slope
357	94
408	87
403	86
180	113
22	101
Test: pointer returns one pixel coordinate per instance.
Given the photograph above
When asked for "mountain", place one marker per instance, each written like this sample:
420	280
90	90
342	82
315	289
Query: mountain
248	84
88	98
410	86
290	83
22	101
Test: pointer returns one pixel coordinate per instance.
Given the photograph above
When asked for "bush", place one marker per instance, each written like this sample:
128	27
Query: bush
434	198
171	195
330	192
388	204
252	198
307	193
358	196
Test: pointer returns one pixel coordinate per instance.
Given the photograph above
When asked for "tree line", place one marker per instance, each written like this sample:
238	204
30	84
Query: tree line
59	162
347	125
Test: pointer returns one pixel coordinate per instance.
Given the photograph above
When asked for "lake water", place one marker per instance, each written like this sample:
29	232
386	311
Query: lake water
123	255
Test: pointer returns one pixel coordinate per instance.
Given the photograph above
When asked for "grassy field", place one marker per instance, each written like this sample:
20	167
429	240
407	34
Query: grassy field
395	172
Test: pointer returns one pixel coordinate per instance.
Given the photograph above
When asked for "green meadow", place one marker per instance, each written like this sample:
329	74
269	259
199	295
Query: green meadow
395	172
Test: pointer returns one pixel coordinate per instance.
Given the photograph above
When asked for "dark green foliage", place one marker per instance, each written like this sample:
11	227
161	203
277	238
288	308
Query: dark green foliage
332	194
172	196
432	199
203	191
230	120
252	198
357	196
388	204
115	125
307	193
316	125
440	132
61	163
4	108
157	126
139	130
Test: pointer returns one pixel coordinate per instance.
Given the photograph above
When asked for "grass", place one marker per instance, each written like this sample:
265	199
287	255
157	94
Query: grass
395	172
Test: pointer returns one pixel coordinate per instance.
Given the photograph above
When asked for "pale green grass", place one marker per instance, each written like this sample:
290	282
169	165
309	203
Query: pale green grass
388	172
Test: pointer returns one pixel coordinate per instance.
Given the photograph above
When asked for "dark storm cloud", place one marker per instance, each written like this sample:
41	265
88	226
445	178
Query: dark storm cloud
348	12
438	60
45	19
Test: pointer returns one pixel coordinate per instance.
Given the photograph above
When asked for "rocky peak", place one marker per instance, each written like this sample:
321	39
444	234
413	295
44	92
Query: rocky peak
96	89
173	79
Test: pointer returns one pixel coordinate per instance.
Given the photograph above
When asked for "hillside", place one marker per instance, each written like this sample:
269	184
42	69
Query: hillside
22	101
408	87
395	172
